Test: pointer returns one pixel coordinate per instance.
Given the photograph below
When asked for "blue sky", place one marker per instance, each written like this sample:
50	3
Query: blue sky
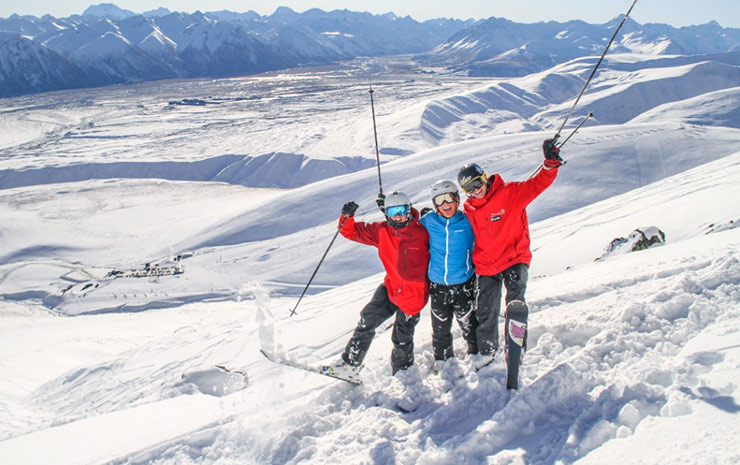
674	12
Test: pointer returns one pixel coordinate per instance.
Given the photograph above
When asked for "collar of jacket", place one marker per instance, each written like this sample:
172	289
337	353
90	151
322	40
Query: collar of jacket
456	218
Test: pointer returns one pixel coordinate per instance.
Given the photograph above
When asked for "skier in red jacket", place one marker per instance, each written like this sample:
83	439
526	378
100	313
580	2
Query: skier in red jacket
403	248
497	212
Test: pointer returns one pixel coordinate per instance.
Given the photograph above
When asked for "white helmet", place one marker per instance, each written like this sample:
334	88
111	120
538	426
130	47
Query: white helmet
444	191
396	198
443	187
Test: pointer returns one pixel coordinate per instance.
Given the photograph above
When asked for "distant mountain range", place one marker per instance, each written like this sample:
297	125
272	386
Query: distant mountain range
499	47
108	45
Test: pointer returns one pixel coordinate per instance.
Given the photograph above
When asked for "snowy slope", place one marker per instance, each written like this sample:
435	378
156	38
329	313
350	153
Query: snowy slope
148	124
619	348
720	108
625	86
632	358
223	130
241	229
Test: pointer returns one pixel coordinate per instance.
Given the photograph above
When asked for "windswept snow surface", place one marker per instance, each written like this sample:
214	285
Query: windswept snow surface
621	351
632	358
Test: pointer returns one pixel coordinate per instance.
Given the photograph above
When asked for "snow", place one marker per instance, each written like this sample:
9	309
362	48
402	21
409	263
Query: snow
718	108
632	358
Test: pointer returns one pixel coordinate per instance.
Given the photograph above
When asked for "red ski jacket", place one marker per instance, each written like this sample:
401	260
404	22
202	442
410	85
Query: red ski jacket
500	222
405	256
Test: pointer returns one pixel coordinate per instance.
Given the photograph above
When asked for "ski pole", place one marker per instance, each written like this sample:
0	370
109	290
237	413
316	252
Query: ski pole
594	70
375	131
590	115
292	312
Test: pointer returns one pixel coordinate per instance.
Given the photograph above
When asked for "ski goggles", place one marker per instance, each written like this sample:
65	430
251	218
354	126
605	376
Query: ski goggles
474	183
449	197
397	210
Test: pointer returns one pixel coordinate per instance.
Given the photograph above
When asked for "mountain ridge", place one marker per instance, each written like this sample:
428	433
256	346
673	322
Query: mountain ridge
206	44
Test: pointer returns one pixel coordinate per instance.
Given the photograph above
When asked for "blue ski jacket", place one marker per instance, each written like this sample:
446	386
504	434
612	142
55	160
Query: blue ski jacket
451	247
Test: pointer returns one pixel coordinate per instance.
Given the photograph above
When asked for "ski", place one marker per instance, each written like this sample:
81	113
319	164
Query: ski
516	340
323	370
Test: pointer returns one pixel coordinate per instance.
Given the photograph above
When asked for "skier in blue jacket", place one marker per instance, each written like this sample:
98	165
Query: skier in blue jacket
451	273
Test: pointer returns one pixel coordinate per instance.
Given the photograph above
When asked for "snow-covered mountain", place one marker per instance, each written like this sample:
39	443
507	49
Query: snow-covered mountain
113	45
108	10
27	66
122	290
625	87
499	47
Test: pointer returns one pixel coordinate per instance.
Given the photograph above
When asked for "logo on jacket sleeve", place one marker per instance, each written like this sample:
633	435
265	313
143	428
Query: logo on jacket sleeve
497	216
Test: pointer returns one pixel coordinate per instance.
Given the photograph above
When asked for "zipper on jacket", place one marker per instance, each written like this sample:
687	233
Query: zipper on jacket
447	249
405	262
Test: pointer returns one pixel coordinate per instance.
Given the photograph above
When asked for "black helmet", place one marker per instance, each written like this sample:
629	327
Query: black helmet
471	176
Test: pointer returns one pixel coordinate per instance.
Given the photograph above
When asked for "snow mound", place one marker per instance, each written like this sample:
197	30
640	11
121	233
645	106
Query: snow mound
216	381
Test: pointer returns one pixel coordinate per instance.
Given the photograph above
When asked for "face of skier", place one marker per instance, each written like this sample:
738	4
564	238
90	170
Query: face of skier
477	187
446	204
398	221
399	214
478	192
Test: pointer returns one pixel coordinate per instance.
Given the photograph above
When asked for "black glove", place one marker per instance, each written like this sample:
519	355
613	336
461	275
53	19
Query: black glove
349	208
552	154
424	211
381	202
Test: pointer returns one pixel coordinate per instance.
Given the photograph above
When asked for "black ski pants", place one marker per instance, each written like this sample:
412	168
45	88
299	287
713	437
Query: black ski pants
448	301
379	309
488	302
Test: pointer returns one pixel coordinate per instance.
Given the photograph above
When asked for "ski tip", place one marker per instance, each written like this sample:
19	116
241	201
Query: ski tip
517	305
328	371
